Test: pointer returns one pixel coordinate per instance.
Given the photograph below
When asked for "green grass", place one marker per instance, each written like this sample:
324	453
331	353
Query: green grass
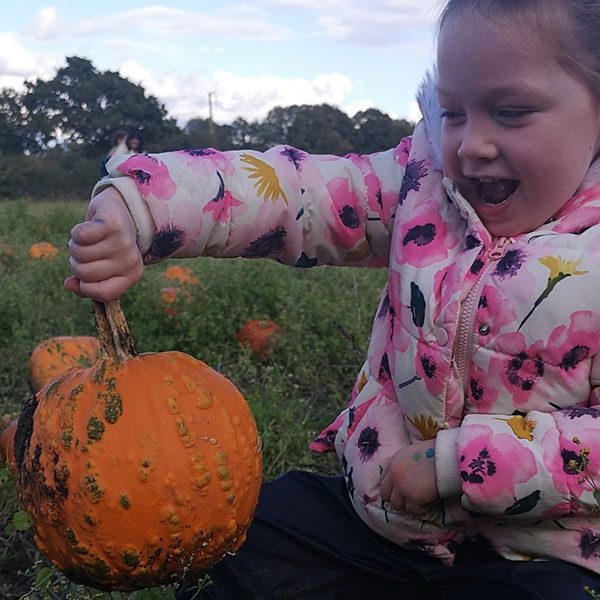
325	312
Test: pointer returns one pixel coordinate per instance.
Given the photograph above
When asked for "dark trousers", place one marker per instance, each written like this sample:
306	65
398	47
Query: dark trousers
306	542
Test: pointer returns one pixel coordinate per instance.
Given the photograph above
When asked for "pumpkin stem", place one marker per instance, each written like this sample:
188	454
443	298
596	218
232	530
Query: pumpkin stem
113	331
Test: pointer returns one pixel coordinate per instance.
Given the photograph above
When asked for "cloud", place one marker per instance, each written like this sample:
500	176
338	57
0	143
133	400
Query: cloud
241	22
396	23
186	96
47	24
17	63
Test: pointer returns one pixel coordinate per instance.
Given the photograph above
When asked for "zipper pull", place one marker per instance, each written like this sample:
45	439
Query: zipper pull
498	250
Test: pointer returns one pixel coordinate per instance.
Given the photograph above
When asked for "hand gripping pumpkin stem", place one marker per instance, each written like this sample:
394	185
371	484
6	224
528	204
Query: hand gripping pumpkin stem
113	331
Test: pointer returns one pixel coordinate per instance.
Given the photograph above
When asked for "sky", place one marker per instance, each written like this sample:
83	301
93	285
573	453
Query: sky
250	56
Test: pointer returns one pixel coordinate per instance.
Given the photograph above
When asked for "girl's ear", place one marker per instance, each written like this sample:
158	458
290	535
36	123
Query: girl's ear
432	115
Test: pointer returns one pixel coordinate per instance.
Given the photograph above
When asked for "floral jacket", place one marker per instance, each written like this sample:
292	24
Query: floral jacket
489	345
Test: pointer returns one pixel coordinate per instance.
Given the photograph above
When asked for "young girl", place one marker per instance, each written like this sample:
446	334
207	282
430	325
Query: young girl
475	416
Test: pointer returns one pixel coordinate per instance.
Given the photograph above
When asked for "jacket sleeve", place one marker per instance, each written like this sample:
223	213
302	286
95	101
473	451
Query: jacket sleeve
284	204
537	466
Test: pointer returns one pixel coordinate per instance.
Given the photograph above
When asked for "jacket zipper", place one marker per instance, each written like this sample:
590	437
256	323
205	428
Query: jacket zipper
466	320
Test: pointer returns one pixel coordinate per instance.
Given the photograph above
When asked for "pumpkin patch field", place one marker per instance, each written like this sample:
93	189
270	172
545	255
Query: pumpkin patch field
322	317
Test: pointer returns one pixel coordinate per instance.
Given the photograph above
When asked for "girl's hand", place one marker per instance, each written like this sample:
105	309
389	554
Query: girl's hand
409	483
105	259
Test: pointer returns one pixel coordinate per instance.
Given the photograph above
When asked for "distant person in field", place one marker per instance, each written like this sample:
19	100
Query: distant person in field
134	143
470	444
118	147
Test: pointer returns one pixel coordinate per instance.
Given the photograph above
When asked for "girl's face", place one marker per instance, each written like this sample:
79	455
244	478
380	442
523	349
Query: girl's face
519	132
133	144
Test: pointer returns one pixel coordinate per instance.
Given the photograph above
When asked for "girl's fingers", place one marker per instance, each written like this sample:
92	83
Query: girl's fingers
86	254
89	232
96	271
107	290
71	284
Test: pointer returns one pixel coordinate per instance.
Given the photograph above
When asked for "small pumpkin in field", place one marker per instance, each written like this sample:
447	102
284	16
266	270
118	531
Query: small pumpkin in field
52	357
139	470
42	250
7	454
260	335
179	275
170	297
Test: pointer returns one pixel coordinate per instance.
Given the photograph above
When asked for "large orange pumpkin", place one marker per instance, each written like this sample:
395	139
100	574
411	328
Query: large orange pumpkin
259	335
42	250
139	470
52	357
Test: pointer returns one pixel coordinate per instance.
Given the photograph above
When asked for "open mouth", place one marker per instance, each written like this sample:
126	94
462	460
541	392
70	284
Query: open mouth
495	192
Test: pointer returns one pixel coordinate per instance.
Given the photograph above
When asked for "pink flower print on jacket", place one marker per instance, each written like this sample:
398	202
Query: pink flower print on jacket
490	466
580	455
151	176
494	311
571	348
402	151
424	239
379	202
430	367
220	206
346	214
578	221
517	366
481	393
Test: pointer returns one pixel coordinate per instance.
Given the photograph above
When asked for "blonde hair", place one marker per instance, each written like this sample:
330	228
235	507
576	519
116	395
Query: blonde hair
570	27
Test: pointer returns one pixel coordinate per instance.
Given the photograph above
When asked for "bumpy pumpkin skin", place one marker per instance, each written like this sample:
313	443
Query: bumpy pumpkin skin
52	357
139	473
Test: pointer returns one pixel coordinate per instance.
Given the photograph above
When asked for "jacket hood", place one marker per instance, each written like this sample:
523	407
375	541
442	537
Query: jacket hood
432	117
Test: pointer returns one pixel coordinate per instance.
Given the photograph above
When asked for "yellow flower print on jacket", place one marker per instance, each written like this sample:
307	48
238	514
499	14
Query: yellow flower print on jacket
267	184
559	269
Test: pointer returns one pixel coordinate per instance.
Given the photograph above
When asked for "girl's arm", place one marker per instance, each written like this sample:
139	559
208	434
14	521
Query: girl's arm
537	466
284	204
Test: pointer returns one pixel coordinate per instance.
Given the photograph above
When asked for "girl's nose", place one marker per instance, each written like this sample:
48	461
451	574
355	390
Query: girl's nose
476	144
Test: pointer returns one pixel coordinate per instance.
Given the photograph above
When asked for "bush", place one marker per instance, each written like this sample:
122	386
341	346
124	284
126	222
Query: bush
55	175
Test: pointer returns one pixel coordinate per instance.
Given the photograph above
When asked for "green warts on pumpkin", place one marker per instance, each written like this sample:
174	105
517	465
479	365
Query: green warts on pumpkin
93	490
124	501
131	558
95	429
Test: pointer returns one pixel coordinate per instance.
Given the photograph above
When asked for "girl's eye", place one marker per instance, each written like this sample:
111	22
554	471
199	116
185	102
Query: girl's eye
451	114
513	114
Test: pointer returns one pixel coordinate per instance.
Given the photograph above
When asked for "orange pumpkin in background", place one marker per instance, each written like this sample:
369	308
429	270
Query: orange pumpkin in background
7	455
169	298
52	357
140	470
42	250
260	335
179	275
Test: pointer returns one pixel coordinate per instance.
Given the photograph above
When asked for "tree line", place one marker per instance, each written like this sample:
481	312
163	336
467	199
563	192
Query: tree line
54	132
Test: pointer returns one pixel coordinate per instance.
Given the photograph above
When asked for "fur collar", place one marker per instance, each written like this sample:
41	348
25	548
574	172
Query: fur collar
431	111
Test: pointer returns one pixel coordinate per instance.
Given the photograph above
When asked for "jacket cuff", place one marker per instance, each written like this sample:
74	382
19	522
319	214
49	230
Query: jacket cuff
446	464
140	213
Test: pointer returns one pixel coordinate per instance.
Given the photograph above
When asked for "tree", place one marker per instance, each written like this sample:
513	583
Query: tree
83	106
375	131
12	132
